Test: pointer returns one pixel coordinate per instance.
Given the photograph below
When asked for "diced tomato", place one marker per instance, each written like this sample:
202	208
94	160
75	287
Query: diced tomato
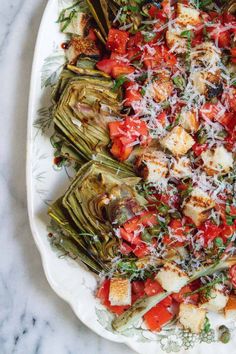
120	151
132	94
141	250
198	149
125	248
227	231
106	65
157	317
138	287
228	120
230	141
232	274
233	52
228	18
161	118
121	69
103	295
210	232
135	41
117	40
230	99
130	237
152	287
178	234
162	57
220	35
210	110
116	129
180	296
145	219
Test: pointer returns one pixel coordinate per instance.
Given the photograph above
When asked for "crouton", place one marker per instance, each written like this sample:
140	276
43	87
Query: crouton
192	317
218	160
197	206
177	141
187	15
172	278
175	42
152	165
120	292
189	121
181	168
205	55
217	300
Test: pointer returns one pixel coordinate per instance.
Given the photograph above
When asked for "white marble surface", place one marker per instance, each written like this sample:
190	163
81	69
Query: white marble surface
33	320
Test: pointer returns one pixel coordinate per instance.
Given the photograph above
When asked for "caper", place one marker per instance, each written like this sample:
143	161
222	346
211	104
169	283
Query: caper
225	337
224	334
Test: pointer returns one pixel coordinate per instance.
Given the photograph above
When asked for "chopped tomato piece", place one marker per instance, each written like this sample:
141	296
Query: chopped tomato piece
210	232
117	40
120	151
137	290
106	65
130	237
116	129
135	41
152	287
231	99
141	250
161	118
227	231
132	94
228	120
161	57
103	295
198	149
210	110
232	274
125	248
178	235
121	69
220	35
181	295
157	317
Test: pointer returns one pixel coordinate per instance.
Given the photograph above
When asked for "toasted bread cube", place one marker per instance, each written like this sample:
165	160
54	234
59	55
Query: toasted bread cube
152	165
162	89
205	55
218	160
189	121
217	301
207	83
181	168
175	42
178	141
192	317
77	25
197	206
120	292
187	15
230	308
171	277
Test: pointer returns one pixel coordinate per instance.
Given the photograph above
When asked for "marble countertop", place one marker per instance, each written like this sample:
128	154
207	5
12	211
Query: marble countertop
33	320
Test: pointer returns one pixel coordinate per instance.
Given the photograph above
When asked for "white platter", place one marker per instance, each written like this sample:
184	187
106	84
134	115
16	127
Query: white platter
69	279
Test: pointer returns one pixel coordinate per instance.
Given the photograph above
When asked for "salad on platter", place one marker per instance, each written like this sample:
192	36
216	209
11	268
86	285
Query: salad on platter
145	113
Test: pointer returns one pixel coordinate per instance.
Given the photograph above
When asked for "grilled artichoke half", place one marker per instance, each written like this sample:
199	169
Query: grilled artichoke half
85	103
84	215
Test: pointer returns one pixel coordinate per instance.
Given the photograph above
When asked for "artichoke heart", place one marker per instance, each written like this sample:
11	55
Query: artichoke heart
85	205
85	107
